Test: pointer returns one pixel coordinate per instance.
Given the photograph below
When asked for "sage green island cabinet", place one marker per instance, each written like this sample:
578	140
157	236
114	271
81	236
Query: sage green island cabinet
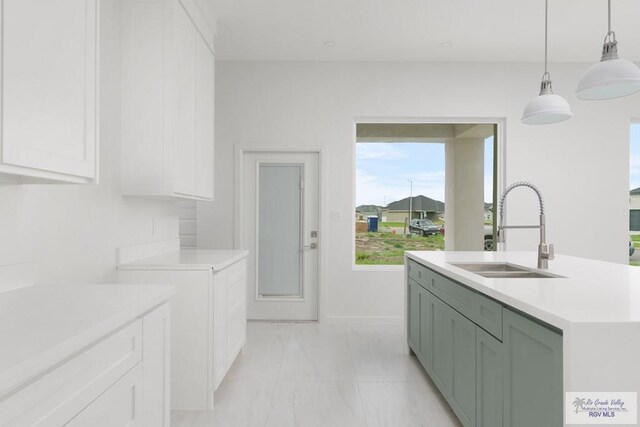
494	365
489	395
532	373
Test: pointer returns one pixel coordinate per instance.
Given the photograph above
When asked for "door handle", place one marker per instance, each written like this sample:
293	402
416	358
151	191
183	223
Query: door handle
311	246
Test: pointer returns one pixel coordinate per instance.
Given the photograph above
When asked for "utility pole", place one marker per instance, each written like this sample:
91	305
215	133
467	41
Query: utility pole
410	203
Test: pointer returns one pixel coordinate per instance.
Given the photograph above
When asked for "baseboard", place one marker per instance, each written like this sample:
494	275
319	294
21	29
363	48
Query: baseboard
391	320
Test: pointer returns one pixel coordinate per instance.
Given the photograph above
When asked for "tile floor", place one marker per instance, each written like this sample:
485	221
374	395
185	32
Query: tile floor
325	375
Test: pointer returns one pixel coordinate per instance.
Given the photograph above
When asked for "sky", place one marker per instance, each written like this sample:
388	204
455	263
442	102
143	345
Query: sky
634	158
383	171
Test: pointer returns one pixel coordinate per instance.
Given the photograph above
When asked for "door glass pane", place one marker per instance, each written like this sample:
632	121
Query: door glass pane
279	228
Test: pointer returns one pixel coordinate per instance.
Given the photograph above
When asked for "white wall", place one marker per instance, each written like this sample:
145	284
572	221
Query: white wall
71	232
581	166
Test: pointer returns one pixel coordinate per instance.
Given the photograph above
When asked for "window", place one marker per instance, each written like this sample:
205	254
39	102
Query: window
634	195
423	187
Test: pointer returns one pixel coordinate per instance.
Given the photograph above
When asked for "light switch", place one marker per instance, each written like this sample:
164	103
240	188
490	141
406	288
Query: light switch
314	234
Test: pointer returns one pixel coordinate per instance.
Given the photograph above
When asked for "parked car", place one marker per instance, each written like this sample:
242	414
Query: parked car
488	236
424	227
632	249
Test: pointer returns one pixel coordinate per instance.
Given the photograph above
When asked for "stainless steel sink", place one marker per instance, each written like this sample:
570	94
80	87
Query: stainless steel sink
489	266
502	270
516	275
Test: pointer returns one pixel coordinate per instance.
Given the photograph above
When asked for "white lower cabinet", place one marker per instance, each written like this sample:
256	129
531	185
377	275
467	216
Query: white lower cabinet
120	380
208	323
230	317
119	406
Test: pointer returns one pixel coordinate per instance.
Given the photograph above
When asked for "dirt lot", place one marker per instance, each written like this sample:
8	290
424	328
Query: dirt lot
388	248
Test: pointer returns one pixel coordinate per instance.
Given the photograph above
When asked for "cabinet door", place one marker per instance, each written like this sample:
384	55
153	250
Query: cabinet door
413	317
204	119
220	292
119	406
532	373
488	380
156	366
49	90
236	317
442	346
426	328
463	381
184	111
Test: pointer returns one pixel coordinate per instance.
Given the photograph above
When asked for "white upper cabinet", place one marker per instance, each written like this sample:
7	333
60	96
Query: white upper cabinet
168	116
49	91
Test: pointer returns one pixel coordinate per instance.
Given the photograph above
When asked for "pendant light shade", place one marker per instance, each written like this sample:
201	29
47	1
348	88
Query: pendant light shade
547	107
608	79
612	77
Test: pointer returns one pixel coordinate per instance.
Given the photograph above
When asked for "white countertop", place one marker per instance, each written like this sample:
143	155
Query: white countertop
591	291
187	259
41	326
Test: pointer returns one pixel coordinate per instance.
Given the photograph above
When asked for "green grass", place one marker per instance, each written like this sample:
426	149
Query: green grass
384	248
391	224
636	240
635	263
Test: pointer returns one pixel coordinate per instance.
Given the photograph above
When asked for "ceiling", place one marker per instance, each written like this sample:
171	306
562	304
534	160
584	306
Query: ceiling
413	30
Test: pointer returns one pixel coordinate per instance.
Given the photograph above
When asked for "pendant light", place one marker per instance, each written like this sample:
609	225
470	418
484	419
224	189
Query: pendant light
612	77
547	107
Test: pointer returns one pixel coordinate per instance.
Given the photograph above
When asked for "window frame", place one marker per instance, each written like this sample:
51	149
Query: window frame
499	164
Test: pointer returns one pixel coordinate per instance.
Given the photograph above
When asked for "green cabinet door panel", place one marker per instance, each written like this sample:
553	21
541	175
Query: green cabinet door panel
442	346
532	373
413	316
463	382
426	329
488	380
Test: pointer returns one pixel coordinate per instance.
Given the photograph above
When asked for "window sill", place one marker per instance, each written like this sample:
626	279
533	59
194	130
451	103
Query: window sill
358	267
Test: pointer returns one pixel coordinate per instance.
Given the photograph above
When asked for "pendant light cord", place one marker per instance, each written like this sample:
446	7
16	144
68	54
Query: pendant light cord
609	22
546	25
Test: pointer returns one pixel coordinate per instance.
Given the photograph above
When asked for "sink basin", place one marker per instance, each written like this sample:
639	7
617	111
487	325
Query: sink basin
516	275
489	266
503	270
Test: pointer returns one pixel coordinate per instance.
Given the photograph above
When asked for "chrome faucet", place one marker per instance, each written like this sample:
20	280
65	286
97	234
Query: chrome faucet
545	251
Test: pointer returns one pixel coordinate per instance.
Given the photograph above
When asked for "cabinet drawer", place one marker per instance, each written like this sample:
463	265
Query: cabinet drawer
488	315
120	406
457	296
483	311
61	393
419	273
237	271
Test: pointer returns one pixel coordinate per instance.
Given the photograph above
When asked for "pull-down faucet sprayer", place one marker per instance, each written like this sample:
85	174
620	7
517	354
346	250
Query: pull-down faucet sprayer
545	251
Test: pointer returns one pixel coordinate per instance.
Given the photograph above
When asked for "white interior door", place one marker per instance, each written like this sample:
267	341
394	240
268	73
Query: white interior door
280	228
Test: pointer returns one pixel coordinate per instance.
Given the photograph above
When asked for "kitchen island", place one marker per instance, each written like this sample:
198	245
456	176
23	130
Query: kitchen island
506	351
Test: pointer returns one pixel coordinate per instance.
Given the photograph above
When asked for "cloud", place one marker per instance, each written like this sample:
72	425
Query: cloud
378	151
634	171
376	190
427	178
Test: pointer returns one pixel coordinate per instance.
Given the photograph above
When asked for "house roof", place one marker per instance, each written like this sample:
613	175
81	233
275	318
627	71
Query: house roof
419	203
368	208
635	191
